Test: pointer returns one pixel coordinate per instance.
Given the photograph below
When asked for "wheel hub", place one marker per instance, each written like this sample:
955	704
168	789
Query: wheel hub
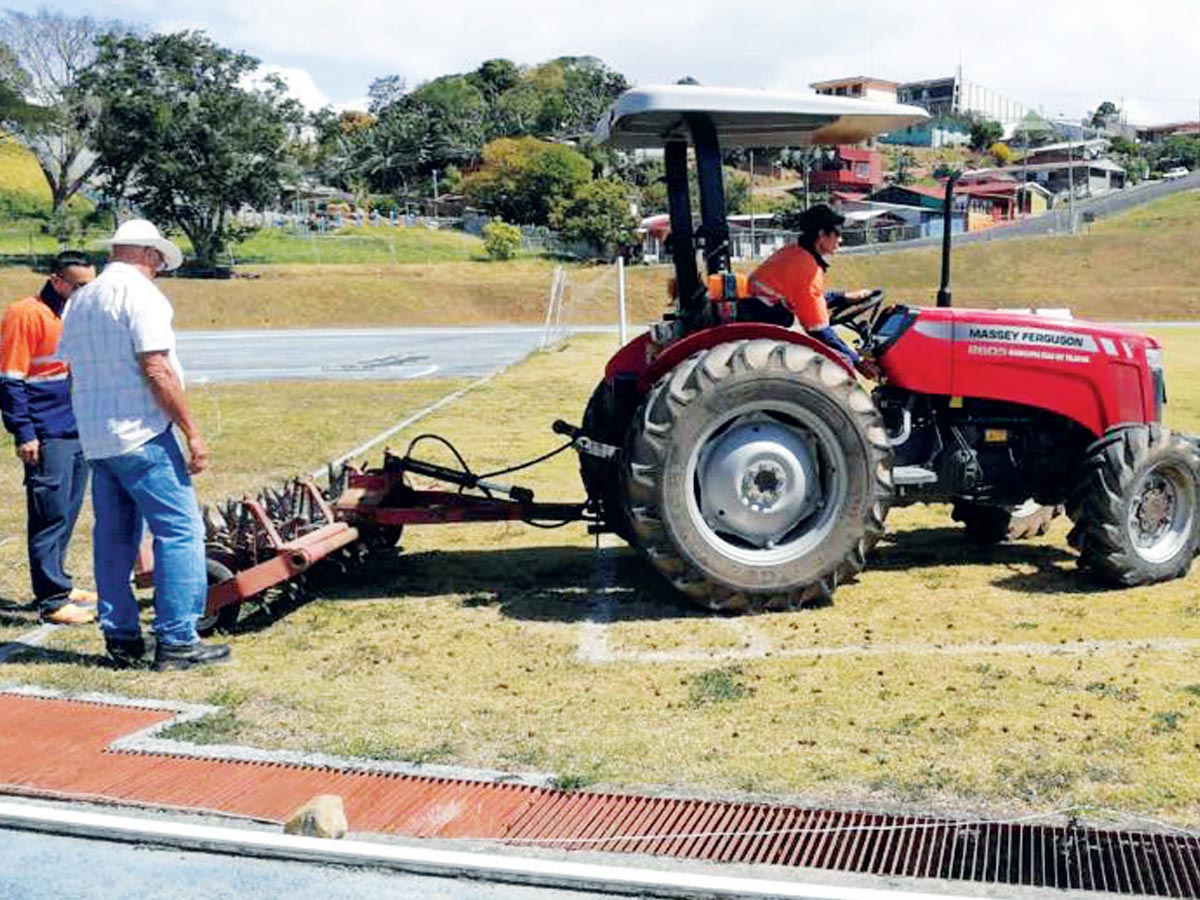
1155	510
757	481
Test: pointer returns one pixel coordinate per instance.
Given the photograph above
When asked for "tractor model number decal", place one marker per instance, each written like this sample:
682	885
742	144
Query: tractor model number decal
999	341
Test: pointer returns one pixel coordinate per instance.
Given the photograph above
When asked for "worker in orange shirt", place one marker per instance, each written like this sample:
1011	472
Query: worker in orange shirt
794	278
35	401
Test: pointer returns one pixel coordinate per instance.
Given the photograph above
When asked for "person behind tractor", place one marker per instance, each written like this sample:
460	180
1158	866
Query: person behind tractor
35	400
127	392
794	278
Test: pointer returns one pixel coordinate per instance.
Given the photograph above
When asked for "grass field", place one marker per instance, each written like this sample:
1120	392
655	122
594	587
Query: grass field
949	677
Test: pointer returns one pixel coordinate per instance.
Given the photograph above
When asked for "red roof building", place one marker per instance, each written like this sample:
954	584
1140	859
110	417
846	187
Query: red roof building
848	168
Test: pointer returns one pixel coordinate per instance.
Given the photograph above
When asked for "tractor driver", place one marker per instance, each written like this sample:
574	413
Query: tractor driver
794	278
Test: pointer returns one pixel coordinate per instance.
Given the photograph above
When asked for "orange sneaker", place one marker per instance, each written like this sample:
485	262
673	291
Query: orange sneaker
70	614
79	595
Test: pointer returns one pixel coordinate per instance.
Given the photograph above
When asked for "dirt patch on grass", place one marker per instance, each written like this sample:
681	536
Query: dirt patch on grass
947	676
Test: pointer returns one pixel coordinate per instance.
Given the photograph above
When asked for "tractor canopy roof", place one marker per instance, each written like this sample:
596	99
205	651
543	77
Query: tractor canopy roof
652	115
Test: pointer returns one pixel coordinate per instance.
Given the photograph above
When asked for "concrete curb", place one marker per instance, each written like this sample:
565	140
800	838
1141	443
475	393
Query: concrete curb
417	860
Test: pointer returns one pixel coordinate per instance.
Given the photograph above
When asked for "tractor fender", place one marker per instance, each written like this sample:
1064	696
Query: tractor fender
645	360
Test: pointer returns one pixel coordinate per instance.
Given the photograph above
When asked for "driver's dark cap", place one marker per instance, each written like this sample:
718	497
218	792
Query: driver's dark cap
820	218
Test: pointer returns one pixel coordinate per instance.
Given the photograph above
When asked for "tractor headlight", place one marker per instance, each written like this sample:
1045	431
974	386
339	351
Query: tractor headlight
1154	360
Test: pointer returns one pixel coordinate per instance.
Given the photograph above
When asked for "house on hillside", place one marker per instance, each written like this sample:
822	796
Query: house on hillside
939	131
861	86
1087	177
1154	134
996	199
978	203
847	168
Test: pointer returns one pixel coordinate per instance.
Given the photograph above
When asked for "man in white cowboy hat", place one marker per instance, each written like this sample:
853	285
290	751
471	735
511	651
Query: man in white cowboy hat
127	392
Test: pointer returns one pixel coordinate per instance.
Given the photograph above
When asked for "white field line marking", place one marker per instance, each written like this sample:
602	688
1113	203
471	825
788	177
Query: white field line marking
29	639
761	647
592	646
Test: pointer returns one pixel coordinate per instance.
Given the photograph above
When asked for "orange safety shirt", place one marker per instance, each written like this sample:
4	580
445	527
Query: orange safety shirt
794	277
35	391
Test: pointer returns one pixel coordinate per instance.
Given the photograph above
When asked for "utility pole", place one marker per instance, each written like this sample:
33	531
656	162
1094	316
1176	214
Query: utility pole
435	194
1071	183
753	245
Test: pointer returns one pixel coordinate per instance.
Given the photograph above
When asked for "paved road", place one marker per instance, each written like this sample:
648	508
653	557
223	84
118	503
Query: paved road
353	354
37	866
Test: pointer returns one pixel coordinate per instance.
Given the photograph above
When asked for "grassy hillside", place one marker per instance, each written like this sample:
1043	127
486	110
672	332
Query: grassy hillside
23	189
1139	265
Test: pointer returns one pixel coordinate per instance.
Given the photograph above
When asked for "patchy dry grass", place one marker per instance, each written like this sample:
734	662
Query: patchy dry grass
949	676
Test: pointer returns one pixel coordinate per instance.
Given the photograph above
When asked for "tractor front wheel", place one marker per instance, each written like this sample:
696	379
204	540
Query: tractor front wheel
1136	508
759	476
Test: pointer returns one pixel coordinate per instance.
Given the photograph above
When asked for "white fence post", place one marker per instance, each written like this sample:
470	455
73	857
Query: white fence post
621	298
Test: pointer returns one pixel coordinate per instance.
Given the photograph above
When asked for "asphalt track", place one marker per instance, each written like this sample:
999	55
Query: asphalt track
362	354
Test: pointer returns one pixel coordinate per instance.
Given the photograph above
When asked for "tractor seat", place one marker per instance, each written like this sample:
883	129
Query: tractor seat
731	294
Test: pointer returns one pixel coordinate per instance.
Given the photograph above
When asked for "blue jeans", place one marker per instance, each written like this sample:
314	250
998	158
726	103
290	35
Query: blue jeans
54	489
150	483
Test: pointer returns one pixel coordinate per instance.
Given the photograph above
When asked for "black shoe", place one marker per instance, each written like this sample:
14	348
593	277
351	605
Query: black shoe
126	654
184	656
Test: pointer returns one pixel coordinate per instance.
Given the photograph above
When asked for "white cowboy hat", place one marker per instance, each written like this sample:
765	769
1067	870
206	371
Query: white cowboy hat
143	233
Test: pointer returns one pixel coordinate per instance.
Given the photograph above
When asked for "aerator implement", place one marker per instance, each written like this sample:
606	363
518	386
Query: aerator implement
271	541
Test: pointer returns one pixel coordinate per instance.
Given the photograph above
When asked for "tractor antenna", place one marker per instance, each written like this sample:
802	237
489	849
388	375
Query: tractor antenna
943	294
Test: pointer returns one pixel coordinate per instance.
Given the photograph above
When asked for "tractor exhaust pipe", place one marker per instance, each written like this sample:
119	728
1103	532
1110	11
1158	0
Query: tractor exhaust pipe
943	294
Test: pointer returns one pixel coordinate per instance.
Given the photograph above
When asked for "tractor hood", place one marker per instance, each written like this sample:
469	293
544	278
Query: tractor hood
652	115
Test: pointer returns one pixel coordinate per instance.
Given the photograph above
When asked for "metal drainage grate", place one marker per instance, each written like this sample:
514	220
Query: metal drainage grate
1066	857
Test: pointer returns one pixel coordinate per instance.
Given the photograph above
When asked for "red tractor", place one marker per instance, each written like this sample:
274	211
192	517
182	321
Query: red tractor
754	471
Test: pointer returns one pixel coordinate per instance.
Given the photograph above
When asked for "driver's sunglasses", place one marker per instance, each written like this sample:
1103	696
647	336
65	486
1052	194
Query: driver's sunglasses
68	282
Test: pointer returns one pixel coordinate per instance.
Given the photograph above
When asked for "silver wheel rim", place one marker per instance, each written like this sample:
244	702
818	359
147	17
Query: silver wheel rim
766	483
1161	513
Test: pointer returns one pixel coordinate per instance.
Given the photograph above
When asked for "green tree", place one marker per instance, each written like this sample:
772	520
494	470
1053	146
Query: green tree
41	55
1104	113
500	240
598	215
522	179
984	133
180	134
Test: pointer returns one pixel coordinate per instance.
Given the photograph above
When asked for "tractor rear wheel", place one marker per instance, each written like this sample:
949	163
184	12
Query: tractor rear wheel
1136	508
602	477
759	476
992	523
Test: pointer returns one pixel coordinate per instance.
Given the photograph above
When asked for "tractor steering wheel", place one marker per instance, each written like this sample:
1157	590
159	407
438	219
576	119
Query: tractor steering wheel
848	315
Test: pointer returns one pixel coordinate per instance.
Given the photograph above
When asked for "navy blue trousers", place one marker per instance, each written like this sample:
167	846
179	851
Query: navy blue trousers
54	490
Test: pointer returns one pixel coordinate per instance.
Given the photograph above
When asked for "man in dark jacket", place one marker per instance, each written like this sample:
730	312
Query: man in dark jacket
35	400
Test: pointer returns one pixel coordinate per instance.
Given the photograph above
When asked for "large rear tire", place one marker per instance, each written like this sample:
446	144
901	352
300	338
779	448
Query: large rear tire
759	476
1136	508
602	477
990	523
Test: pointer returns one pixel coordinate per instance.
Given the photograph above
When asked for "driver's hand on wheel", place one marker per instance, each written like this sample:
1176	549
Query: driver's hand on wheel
868	368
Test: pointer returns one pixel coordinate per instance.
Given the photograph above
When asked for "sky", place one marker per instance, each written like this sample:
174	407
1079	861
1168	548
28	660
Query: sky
1059	57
